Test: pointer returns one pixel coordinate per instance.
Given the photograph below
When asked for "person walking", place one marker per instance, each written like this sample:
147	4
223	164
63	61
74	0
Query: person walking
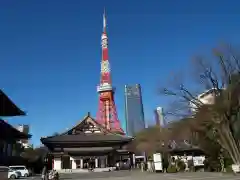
165	164
118	166
44	173
142	166
129	165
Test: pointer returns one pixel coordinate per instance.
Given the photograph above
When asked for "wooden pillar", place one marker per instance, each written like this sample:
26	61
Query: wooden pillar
106	161
9	149
5	148
133	159
52	162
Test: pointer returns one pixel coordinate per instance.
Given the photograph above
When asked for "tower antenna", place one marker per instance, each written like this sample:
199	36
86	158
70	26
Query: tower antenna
104	21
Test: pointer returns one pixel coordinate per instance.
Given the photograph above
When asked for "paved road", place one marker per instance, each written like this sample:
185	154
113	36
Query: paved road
127	175
30	178
197	176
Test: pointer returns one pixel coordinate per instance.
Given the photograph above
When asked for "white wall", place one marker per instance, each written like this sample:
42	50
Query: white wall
74	165
74	158
57	163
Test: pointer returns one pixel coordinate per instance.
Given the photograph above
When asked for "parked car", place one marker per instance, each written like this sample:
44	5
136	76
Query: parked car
7	173
13	174
22	169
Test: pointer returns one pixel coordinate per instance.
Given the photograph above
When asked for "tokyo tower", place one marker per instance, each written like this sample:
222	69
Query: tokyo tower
107	113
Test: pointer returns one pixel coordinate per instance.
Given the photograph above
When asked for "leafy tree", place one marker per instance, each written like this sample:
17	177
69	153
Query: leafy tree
212	123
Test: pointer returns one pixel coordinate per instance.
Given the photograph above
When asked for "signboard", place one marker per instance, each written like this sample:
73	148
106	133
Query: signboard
157	159
198	160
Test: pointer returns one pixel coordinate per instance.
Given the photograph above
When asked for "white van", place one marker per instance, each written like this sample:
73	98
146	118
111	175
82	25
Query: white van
21	169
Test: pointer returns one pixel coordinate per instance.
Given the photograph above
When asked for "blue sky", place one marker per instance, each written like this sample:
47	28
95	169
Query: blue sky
50	52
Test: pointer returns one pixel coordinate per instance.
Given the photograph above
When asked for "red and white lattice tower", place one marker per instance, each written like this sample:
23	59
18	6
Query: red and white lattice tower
107	113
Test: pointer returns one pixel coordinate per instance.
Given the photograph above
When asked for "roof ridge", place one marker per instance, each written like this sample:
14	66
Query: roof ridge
105	131
78	123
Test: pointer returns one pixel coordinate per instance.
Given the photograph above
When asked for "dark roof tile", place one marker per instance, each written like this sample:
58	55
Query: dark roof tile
86	138
8	131
7	107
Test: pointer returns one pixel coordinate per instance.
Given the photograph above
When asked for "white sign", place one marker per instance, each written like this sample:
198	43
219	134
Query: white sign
198	160
157	159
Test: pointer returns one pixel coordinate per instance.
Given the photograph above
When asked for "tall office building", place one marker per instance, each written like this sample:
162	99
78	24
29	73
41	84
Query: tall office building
134	113
159	117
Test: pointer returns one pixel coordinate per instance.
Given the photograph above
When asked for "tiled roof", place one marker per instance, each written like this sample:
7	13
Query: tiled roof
8	131
80	137
80	123
86	138
7	107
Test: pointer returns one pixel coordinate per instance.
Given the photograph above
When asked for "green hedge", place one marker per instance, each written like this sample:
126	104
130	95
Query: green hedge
171	169
229	169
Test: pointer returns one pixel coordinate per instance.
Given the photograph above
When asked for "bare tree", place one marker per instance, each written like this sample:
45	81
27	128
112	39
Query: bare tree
221	74
152	139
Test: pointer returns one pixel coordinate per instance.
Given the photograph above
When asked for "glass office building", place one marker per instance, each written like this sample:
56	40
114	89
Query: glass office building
134	113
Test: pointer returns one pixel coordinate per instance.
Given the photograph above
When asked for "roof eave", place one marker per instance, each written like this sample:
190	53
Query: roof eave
45	141
14	109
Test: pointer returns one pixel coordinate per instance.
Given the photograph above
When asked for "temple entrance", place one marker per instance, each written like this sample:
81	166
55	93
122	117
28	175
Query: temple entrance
78	163
102	162
88	163
66	163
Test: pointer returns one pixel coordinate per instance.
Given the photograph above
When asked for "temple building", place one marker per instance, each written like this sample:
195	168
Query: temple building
10	149
87	143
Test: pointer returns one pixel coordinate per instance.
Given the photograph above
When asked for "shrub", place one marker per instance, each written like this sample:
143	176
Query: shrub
229	169
171	169
227	162
181	165
212	165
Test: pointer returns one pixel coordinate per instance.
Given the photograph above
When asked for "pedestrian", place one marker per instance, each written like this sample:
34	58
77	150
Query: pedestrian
118	165
165	164
130	165
142	166
44	173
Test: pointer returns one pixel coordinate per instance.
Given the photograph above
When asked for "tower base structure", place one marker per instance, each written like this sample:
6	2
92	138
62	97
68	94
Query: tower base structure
107	113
